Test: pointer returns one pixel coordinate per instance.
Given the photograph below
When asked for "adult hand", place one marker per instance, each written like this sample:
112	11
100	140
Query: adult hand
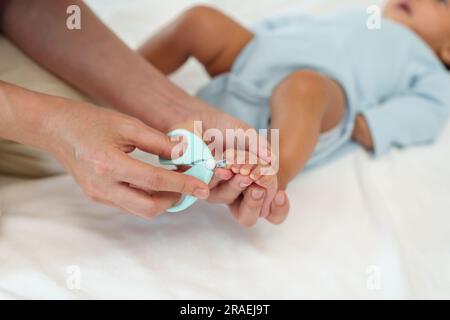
247	201
94	145
245	197
120	79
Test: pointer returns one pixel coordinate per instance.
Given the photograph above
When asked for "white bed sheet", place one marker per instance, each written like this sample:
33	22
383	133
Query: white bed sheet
358	228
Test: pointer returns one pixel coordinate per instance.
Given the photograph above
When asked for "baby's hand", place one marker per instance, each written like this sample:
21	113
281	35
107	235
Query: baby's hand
250	194
361	133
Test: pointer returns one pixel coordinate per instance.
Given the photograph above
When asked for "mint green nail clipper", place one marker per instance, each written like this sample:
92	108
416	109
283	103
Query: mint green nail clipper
199	158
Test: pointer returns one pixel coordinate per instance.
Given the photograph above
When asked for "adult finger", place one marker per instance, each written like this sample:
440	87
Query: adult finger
279	209
219	176
229	191
250	206
147	177
139	203
270	183
148	139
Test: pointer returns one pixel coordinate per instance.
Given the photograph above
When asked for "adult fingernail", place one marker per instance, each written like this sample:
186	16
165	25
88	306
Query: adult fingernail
280	199
244	185
257	194
226	175
201	194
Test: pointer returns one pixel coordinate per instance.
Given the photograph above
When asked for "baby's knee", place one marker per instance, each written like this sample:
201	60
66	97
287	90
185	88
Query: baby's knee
304	83
194	26
308	79
198	17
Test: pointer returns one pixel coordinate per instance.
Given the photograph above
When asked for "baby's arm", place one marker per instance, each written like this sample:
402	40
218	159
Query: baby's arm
204	33
304	105
415	118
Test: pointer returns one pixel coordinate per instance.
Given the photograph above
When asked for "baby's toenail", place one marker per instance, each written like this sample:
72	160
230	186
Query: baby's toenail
245	172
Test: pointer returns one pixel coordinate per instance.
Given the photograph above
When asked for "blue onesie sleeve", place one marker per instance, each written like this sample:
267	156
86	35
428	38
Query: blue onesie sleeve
416	117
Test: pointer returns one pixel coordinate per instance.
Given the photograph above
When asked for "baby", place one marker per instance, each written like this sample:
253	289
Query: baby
327	83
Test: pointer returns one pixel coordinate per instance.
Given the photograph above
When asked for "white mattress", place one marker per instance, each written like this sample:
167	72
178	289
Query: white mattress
358	228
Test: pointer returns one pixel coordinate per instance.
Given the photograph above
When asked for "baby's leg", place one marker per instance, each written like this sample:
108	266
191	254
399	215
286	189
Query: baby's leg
304	105
202	32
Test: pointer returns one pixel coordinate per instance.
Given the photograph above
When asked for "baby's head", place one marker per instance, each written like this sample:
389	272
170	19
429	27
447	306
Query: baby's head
430	19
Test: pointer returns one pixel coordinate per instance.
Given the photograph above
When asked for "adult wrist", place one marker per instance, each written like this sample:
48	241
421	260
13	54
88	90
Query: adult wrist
25	116
52	125
180	112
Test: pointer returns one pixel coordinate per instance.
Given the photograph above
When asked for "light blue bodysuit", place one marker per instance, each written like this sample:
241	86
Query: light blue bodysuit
390	75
